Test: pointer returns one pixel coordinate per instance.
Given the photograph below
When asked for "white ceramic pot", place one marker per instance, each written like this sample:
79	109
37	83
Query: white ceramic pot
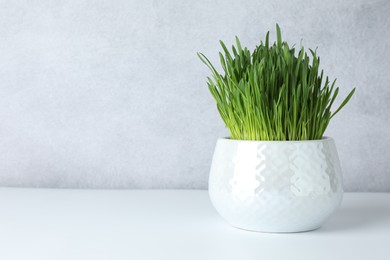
275	186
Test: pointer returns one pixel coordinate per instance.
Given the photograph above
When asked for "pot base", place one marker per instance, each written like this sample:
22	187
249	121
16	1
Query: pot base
277	232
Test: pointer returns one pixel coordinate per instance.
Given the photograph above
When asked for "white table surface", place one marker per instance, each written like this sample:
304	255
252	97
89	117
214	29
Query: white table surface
153	224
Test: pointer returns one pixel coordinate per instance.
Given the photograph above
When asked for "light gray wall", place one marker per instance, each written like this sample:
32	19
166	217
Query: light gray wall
111	94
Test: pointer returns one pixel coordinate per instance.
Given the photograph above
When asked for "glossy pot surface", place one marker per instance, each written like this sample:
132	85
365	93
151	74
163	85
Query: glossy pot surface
275	186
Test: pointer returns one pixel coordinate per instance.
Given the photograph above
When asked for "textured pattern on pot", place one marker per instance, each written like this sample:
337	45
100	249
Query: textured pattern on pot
275	186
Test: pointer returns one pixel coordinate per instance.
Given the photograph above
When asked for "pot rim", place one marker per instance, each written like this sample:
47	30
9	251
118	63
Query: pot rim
324	139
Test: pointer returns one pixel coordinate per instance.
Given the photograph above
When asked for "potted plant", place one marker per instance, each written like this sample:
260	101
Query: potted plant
276	172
